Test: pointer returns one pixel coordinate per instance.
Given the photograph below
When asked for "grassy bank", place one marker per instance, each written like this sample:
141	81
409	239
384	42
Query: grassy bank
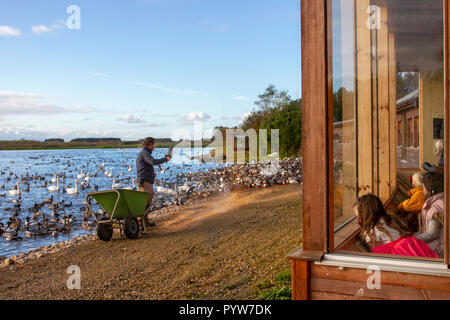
37	145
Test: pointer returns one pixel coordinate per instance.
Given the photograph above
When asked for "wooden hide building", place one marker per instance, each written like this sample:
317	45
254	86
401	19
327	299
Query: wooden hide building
350	148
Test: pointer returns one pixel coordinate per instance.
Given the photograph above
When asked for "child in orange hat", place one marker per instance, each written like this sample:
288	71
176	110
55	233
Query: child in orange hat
417	199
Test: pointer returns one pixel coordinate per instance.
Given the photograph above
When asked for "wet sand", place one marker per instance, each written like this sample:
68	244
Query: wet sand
218	248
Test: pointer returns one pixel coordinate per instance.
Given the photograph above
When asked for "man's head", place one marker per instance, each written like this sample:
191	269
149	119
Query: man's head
149	143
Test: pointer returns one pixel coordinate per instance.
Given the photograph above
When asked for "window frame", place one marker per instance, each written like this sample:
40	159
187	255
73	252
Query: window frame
332	231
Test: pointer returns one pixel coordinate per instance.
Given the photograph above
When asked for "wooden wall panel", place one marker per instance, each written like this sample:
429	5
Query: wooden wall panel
430	283
317	295
359	290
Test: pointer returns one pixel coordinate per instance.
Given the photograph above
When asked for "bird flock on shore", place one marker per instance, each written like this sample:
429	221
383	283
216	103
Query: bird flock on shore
62	207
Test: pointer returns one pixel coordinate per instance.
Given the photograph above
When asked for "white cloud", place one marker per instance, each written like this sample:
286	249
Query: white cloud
167	89
14	132
8	31
72	130
197	116
41	29
18	103
44	29
244	117
240	98
240	118
131	119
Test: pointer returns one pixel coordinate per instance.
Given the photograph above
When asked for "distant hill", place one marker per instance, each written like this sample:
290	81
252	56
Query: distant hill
97	140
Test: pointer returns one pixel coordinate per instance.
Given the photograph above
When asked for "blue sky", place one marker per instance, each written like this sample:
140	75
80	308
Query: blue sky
141	68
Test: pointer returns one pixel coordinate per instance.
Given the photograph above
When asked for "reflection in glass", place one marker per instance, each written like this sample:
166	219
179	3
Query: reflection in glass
386	63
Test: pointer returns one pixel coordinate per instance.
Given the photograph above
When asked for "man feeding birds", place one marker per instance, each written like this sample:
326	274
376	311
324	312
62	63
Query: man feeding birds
146	173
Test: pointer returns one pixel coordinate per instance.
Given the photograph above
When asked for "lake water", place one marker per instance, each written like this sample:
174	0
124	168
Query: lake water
48	162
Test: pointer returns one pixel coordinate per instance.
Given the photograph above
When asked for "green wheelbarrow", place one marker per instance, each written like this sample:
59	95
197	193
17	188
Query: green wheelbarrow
122	208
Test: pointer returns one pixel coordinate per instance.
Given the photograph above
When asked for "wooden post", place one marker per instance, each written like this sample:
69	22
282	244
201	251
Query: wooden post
447	131
300	280
392	113
383	147
331	186
315	125
364	98
421	119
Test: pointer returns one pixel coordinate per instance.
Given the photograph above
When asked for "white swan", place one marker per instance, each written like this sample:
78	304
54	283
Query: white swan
131	188
184	187
165	190
87	178
80	175
116	185
54	188
54	178
73	190
109	174
16	190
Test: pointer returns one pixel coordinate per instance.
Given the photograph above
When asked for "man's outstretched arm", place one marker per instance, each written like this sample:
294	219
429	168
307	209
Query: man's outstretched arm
157	162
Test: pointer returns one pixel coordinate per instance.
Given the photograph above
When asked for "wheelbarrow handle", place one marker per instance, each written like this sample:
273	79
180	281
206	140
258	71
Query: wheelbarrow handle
87	198
115	205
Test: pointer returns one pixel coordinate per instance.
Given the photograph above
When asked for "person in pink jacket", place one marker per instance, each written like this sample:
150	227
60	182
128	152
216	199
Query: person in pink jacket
432	224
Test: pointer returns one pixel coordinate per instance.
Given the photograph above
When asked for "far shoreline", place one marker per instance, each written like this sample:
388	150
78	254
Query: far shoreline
42	146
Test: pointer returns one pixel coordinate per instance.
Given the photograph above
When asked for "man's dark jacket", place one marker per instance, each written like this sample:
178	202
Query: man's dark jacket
144	165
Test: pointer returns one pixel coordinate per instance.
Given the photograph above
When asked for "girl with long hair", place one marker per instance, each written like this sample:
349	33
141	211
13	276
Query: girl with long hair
387	233
377	226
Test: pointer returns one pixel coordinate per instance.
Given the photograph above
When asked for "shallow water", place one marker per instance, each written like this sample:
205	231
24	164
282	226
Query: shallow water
48	162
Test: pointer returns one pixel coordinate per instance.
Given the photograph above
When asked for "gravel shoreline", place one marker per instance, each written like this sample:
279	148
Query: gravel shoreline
23	258
217	248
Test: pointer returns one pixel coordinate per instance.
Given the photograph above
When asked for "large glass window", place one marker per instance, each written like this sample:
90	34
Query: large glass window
386	66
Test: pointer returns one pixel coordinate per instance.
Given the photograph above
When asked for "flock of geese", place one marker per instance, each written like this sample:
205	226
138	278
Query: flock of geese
176	185
49	216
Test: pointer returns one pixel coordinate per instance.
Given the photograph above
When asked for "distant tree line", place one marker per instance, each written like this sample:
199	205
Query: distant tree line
93	140
54	141
80	143
275	109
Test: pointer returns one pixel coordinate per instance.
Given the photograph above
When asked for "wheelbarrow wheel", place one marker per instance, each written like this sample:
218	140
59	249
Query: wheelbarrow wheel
105	230
131	227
